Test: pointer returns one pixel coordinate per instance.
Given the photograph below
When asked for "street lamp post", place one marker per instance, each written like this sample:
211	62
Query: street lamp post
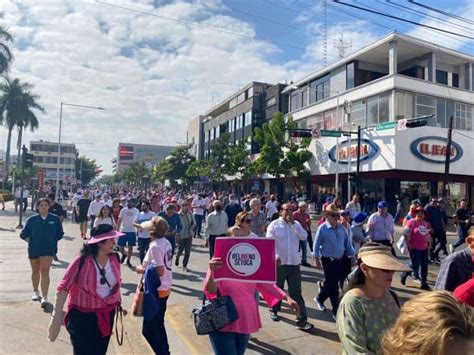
59	137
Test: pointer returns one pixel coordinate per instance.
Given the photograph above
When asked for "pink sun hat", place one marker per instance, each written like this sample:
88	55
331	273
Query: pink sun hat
103	232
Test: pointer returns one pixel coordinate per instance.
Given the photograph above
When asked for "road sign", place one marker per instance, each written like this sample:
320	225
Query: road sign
330	133
316	133
386	125
402	125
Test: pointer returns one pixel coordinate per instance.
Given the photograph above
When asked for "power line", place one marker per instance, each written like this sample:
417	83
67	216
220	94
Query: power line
393	4
190	23
400	19
442	12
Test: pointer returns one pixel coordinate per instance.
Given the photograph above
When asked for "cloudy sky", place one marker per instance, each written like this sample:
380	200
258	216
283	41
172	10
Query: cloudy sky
154	65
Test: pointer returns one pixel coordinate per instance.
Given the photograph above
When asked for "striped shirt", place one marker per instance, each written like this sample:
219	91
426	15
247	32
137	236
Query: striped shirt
82	286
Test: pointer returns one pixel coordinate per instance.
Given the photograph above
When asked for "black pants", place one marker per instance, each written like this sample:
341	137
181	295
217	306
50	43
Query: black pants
144	245
212	242
292	275
185	245
154	330
330	288
85	335
346	266
310	241
440	236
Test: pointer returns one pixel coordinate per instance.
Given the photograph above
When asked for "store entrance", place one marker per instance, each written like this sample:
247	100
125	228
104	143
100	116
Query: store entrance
412	190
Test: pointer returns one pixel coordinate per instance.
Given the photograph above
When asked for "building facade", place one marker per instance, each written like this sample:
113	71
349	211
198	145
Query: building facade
151	155
241	113
397	77
45	157
195	136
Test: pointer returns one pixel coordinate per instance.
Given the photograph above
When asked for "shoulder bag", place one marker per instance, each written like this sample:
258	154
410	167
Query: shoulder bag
138	298
214	314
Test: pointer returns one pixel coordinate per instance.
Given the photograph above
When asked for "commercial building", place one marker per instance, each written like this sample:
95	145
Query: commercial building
240	113
131	152
395	78
195	135
45	157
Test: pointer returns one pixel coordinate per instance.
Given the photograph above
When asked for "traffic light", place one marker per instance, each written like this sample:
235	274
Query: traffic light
299	133
27	158
416	123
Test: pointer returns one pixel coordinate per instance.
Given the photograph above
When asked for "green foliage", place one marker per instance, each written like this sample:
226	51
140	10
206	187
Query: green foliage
135	172
226	159
175	166
6	55
86	169
273	158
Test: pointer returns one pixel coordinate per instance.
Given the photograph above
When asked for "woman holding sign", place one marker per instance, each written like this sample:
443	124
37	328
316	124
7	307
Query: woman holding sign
234	338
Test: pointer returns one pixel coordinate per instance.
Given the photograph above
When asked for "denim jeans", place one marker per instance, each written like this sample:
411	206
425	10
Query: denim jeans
199	218
143	244
227	343
304	250
154	330
462	235
172	240
420	259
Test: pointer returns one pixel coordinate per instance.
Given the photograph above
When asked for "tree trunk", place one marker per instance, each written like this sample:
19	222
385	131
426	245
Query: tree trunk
7	157
18	158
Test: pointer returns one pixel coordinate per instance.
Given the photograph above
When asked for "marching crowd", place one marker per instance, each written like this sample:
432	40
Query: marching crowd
356	251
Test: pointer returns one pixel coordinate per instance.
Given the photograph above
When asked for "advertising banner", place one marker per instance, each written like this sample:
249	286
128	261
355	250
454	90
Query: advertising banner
246	259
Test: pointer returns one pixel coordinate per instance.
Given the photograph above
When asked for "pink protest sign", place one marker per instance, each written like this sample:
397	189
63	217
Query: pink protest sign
246	259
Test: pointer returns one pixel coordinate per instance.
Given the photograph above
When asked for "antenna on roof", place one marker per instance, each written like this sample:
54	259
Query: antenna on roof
342	45
325	32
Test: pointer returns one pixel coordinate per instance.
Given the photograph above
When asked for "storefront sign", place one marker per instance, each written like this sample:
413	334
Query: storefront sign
433	149
246	259
368	150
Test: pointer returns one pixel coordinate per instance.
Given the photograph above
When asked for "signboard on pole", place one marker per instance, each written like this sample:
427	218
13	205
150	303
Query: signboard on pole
246	259
330	133
316	133
402	124
386	125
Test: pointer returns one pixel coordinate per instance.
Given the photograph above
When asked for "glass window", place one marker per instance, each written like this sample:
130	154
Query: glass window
383	108
295	100
248	119
441	77
241	98
312	92
441	113
358	113
319	92
326	89
372	111
350	76
426	105
271	101
233	102
304	96
455	80
425	100
250	92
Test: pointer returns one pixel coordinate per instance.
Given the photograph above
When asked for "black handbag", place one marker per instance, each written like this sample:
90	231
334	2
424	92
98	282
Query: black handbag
214	314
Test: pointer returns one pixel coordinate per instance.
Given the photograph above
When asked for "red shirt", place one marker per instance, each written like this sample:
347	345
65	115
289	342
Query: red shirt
419	235
465	293
304	219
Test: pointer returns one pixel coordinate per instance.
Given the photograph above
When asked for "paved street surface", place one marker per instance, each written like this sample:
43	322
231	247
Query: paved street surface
23	323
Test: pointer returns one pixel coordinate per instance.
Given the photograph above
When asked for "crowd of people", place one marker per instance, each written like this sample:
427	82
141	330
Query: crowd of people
356	251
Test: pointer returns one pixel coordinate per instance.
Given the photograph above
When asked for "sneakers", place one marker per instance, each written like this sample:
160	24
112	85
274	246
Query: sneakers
176	262
185	269
305	326
319	305
274	317
55	258
36	296
44	302
417	280
450	249
425	287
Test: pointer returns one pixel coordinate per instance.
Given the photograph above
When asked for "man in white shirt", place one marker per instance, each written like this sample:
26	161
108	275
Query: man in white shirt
94	209
288	233
107	200
125	224
216	225
18	200
353	206
143	234
198	205
271	207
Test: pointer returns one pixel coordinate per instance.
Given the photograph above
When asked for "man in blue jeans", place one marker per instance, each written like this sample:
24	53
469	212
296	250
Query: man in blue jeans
199	208
143	234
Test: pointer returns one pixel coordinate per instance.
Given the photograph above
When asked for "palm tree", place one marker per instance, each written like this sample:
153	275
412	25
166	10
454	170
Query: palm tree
16	110
6	55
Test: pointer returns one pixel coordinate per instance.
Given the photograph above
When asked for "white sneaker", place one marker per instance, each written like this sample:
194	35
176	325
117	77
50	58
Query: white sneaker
450	249
36	296
44	302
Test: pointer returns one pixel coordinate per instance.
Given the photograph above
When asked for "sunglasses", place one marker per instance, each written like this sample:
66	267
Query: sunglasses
103	280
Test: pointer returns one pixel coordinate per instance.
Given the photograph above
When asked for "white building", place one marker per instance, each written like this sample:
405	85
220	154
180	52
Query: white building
45	157
394	78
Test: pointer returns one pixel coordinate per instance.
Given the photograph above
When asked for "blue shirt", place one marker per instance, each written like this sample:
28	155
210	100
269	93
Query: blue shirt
380	227
437	217
174	221
43	235
331	242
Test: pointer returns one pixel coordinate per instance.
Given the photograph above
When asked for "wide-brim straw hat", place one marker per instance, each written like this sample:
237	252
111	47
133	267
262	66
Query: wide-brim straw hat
332	208
380	257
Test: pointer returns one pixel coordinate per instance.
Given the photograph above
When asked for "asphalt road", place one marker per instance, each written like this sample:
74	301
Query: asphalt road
23	324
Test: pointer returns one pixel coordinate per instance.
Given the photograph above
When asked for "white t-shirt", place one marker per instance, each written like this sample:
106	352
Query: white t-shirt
201	204
271	207
159	254
104	290
108	220
128	216
144	217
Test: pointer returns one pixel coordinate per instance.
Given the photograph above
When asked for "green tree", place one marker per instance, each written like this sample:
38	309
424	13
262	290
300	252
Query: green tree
279	157
17	109
135	172
86	169
174	167
6	55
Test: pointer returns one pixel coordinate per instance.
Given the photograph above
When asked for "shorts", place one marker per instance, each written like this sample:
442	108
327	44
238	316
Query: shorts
30	256
81	219
130	239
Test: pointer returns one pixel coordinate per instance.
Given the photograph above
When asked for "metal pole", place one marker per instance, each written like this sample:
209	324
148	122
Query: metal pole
448	158
59	150
349	159
337	147
358	159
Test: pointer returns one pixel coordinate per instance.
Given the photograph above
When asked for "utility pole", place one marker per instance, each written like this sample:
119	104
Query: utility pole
22	161
359	132
448	158
341	46
325	31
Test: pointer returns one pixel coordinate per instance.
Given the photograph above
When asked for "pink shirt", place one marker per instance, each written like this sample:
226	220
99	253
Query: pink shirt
243	295
419	234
